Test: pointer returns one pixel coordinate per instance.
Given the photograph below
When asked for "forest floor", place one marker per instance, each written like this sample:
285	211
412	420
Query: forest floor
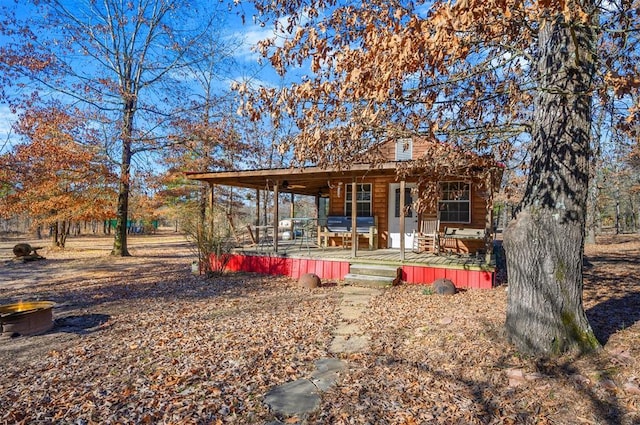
141	340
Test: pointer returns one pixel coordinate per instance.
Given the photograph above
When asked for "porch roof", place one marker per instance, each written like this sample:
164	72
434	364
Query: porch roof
302	181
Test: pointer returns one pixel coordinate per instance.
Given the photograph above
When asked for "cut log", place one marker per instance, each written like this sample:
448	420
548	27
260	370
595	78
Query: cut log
22	250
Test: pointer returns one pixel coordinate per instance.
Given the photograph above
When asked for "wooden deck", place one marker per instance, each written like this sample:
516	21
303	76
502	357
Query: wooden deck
295	258
377	256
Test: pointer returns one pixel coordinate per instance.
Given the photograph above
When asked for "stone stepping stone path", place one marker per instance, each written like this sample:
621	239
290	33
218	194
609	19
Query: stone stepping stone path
301	397
348	336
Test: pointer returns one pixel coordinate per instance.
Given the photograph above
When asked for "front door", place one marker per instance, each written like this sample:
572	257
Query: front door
411	217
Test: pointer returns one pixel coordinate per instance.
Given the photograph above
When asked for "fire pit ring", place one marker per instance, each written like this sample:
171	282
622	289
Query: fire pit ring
26	317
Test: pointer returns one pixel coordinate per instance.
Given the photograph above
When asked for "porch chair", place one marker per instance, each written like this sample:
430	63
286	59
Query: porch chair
426	239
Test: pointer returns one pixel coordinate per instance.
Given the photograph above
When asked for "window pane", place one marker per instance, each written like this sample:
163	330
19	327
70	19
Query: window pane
454	204
363	200
408	202
364	210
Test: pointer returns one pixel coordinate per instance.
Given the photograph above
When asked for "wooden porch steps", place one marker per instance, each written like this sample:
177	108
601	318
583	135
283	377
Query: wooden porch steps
371	275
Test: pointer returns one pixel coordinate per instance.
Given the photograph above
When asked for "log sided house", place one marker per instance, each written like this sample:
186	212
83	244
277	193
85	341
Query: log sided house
451	238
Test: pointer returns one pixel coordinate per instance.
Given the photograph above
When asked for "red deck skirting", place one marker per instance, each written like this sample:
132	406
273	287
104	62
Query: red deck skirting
336	269
476	279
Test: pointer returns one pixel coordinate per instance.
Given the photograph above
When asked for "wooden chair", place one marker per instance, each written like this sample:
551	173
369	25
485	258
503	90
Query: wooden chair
426	239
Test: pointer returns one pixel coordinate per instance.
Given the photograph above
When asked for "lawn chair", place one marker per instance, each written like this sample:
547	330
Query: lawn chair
426	239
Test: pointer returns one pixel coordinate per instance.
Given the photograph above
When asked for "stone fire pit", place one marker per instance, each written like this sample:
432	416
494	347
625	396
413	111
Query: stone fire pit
26	317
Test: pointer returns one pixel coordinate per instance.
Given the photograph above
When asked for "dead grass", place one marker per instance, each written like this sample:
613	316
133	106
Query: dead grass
142	340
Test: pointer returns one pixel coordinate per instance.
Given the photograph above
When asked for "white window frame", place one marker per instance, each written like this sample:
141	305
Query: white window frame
361	198
447	190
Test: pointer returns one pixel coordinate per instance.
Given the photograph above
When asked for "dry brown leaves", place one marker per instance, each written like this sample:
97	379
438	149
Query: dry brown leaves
157	345
445	359
173	348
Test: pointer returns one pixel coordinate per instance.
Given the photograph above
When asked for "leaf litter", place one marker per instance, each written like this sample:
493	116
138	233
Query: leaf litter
174	348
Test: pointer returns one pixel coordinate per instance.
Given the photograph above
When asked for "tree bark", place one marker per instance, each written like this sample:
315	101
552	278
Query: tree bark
202	207
595	178
592	207
617	212
120	239
65	226
53	232
544	244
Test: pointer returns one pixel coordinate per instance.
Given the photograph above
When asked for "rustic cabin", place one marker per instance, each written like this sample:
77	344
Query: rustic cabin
371	226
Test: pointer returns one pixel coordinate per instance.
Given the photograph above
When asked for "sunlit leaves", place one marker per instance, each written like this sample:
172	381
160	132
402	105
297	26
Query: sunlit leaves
57	173
121	62
388	69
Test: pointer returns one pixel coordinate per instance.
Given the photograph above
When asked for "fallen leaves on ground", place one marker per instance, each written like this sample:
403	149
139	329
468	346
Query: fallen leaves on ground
168	347
176	348
445	360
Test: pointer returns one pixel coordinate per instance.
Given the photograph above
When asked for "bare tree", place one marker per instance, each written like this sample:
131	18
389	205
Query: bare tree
119	60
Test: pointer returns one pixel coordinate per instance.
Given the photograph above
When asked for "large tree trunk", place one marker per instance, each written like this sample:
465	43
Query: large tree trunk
120	240
544	244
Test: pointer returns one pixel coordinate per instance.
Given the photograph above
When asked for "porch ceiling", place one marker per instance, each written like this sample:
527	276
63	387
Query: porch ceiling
302	181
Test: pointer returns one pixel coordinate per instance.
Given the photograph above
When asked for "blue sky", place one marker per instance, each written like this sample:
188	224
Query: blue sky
231	28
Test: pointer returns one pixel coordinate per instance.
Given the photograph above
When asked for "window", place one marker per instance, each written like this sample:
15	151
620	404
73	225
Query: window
408	201
363	200
455	202
404	150
323	211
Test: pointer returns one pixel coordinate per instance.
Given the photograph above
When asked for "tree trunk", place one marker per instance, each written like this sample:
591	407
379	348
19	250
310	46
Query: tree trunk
64	232
120	239
202	206
53	233
617	213
544	244
595	178
592	207
632	211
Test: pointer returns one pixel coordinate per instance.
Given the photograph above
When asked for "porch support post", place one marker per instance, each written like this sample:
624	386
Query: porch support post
354	221
210	200
207	264
275	217
257	216
293	214
317	222
402	218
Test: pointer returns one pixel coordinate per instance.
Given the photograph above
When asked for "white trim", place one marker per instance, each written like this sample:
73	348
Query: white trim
393	222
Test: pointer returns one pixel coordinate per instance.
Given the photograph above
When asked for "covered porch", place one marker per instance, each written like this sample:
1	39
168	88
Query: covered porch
383	230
